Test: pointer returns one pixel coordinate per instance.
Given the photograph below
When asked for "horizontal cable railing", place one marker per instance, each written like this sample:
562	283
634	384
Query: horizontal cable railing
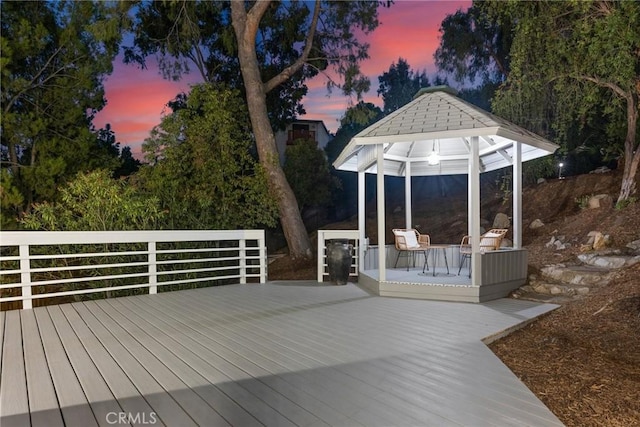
54	265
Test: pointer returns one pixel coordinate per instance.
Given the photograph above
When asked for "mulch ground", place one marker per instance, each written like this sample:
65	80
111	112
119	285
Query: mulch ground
583	359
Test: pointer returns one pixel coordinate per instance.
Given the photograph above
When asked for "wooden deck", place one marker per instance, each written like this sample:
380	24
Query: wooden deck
278	354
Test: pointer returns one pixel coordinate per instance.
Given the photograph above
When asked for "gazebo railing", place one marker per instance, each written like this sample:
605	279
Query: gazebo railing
38	265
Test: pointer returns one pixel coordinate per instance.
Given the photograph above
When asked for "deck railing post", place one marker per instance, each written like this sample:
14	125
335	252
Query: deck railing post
25	277
262	245
321	251
242	252
153	277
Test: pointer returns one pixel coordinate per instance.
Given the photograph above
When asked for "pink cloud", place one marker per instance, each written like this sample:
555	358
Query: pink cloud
136	101
409	30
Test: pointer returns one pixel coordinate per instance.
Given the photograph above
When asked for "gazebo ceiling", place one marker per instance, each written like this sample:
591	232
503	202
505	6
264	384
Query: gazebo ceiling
437	120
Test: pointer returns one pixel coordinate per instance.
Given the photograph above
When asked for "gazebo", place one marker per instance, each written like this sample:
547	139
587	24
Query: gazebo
440	134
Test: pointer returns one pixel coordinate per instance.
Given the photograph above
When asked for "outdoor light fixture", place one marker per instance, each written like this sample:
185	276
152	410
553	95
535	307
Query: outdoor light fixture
434	158
560	165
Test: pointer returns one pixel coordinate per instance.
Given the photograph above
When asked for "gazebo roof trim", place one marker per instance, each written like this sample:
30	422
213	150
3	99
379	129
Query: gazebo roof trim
436	115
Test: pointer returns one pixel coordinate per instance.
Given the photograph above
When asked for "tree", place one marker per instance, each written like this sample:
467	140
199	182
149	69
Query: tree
274	47
200	166
475	45
574	64
329	36
54	56
399	85
196	36
128	164
355	119
307	170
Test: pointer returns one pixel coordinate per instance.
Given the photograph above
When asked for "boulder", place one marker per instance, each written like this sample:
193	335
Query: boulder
537	223
501	221
551	242
635	245
584	275
601	169
600	201
541	180
611	262
559	245
592	235
599	241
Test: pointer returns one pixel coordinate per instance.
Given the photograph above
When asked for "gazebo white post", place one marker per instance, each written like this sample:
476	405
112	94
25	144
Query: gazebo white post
382	251
474	203
361	219
407	195
517	195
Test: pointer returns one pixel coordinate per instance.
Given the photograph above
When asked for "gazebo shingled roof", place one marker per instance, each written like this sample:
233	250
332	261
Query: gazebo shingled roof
438	120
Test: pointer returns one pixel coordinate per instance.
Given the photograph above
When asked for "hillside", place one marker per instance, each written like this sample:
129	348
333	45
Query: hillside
582	359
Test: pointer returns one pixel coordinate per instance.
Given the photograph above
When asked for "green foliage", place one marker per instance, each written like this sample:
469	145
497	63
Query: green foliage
475	45
96	202
543	167
355	119
574	74
399	85
504	183
10	200
201	168
54	56
622	204
307	170
583	201
197	36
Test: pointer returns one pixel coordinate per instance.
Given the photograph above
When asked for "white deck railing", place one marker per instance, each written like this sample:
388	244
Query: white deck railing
52	261
323	235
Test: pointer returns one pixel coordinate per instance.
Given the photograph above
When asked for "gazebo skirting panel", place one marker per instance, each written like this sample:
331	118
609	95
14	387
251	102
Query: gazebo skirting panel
502	272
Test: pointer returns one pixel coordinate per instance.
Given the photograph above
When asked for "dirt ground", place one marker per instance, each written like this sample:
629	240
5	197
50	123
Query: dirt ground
583	359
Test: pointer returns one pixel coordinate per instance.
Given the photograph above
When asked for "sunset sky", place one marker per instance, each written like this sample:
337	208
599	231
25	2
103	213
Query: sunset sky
136	98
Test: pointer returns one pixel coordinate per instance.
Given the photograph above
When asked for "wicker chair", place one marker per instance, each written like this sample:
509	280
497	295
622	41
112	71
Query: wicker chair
409	241
489	241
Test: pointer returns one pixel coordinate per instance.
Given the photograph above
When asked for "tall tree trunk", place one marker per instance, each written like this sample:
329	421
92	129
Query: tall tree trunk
294	230
631	151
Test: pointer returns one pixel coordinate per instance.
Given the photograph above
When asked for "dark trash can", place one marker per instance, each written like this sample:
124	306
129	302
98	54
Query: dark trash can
339	259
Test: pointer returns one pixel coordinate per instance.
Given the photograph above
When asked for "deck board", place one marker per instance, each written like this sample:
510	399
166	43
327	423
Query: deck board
162	403
274	359
125	393
2	316
14	400
43	403
368	384
73	402
189	401
277	354
186	365
99	396
223	373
